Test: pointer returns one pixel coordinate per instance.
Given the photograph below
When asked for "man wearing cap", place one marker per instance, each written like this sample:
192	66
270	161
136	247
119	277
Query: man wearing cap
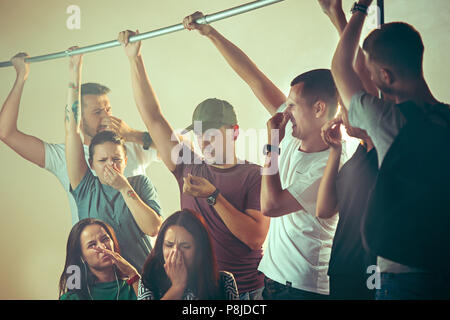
225	190
296	259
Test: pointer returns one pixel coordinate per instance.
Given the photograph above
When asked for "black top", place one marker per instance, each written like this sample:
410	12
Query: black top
354	182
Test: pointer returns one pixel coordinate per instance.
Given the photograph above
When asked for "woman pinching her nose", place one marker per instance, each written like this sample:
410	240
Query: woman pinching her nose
182	265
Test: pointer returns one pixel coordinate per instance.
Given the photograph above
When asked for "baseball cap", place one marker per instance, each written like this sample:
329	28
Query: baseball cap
213	113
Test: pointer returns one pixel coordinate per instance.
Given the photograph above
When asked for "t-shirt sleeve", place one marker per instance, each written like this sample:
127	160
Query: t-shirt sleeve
87	184
144	157
55	157
144	293
147	192
253	197
381	119
306	186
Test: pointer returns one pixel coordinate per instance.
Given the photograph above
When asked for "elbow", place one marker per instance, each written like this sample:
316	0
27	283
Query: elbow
255	246
4	134
153	232
324	214
256	243
268	209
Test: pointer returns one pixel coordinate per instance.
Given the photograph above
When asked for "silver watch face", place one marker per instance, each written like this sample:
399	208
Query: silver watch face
211	200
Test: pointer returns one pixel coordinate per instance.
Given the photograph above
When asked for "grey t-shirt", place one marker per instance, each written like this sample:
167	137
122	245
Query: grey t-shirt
100	201
382	120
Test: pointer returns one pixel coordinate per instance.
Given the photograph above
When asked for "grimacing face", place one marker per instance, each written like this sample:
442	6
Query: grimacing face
94	236
300	113
178	238
95	109
108	153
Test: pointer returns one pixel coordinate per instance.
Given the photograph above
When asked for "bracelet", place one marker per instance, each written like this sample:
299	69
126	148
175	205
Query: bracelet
359	7
270	148
133	279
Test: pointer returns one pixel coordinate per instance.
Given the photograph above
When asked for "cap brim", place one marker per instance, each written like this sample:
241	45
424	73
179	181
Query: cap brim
187	129
206	125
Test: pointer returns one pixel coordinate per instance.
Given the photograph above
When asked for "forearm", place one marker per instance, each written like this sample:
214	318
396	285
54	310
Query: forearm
143	92
146	218
270	184
347	80
338	19
76	162
269	95
327	194
10	109
244	227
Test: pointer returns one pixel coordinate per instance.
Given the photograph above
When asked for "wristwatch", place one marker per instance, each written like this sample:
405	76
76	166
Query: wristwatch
270	148
147	140
213	197
359	7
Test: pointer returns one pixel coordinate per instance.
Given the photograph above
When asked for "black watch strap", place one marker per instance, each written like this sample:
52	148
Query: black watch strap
146	140
359	7
270	148
213	197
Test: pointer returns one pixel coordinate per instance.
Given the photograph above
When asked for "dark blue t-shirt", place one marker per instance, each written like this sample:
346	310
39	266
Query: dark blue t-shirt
354	183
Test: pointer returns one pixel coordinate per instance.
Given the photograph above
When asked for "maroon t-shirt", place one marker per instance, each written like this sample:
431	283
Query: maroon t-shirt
241	186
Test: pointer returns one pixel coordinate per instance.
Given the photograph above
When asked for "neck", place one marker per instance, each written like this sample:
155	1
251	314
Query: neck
227	163
313	143
106	275
86	139
417	92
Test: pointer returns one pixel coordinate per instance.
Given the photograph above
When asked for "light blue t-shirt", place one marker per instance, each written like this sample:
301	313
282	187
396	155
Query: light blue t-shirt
103	202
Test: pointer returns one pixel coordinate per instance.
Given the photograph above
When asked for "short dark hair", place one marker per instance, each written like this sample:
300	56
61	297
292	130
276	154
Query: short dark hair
397	45
319	85
93	88
105	136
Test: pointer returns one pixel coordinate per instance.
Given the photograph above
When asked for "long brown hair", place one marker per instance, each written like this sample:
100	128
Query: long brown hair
74	256
203	276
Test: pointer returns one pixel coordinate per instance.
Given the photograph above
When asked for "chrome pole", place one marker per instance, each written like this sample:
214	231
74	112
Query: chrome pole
151	34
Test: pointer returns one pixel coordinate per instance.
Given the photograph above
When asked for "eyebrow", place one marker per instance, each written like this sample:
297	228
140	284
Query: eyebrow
170	242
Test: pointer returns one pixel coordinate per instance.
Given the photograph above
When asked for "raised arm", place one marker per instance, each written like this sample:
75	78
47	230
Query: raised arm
347	80
269	95
327	195
333	9
163	136
76	162
28	147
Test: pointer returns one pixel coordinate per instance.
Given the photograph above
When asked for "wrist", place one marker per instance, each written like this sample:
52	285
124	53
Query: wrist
133	278
126	189
135	59
133	135
21	77
336	150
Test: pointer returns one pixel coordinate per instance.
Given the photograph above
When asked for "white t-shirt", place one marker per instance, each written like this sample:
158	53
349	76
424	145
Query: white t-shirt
55	162
299	244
